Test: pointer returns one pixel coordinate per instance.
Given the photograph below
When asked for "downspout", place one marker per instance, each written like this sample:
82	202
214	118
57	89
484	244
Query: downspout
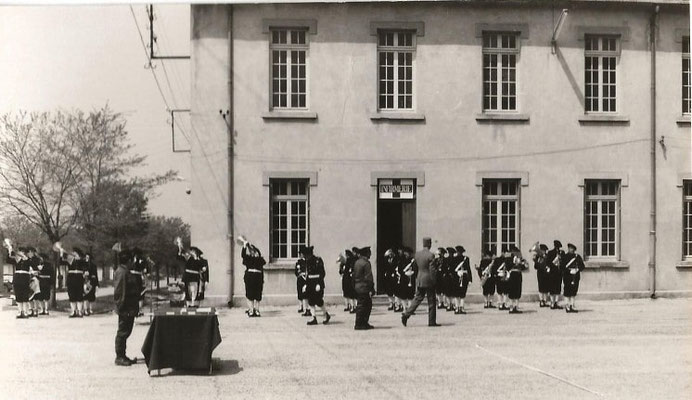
652	219
229	122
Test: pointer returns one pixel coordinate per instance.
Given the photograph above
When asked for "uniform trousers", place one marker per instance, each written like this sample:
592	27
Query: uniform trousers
363	309
125	324
421	293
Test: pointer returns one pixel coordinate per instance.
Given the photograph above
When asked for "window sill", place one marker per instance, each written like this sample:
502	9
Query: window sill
604	119
606	264
687	264
289	114
397	116
280	266
683	120
502	117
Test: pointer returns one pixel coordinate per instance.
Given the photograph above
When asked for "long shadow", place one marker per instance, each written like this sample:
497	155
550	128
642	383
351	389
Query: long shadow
219	368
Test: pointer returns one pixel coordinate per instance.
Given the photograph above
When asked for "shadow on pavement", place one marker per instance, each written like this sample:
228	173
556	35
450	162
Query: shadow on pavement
220	368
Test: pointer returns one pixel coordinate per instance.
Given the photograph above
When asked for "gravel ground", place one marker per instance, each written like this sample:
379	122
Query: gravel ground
628	349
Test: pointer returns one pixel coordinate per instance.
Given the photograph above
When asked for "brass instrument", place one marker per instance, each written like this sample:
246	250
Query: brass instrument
486	273
7	243
242	241
408	271
57	247
502	272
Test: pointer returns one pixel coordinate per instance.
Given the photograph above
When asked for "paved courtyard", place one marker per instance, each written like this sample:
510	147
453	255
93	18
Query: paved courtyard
626	349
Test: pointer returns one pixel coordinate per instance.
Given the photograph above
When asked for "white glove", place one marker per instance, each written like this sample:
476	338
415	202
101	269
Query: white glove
318	288
409	273
573	271
460	273
304	288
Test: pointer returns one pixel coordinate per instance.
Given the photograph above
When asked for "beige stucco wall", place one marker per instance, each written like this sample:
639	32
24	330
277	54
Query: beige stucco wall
344	146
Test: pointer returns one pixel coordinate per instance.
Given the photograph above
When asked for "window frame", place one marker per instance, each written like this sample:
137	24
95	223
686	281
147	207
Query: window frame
288	48
499	198
686	203
686	91
288	198
396	49
499	52
600	198
600	55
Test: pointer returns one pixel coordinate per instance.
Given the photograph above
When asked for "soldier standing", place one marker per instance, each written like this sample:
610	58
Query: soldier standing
46	277
365	287
573	264
126	297
553	261
314	284
254	278
487	281
90	296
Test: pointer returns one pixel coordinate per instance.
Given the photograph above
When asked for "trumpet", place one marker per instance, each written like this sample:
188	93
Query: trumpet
242	241
408	271
7	243
178	241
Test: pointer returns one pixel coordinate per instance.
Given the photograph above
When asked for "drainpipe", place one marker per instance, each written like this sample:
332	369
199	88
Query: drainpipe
652	219
229	122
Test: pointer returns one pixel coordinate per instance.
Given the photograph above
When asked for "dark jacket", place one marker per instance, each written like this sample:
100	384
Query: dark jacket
125	292
426	268
362	276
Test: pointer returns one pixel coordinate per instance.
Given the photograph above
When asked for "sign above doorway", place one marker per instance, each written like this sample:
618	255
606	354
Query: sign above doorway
396	189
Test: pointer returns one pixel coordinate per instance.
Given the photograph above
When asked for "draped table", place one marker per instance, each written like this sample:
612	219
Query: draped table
182	340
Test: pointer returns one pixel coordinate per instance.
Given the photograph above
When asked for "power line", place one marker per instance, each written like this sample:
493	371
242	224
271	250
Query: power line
144	46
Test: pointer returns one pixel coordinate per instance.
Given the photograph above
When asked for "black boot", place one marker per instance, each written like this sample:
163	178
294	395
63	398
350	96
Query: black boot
327	317
313	321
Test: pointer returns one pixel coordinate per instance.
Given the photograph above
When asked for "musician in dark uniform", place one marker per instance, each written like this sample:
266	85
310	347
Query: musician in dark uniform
346	271
500	274
540	264
449	279
364	286
391	262
46	278
572	265
126	295
139	271
314	284
194	267
76	272
440	259
514	282
20	280
301	273
487	281
253	278
93	279
553	261
34	287
406	277
462	271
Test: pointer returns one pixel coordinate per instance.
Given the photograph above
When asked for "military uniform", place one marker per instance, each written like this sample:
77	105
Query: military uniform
346	272
46	277
462	283
254	275
554	273
572	265
484	272
21	279
301	272
191	278
405	284
314	281
75	280
514	283
94	279
540	265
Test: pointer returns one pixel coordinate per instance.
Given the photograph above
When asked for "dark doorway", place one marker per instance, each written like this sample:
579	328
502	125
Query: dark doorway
396	226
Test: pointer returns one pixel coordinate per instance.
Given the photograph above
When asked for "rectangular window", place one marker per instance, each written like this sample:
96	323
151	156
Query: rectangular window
686	77
395	53
600	84
289	217
500	215
500	52
601	215
687	220
289	53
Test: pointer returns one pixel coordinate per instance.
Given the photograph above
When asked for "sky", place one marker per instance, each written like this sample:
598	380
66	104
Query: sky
84	57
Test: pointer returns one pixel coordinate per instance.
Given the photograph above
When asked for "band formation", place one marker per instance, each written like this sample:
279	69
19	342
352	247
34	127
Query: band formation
442	276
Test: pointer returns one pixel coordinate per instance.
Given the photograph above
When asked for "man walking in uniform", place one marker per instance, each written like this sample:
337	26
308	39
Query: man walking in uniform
427	274
364	285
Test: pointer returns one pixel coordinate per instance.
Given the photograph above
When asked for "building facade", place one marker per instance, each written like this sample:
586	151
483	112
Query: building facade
379	123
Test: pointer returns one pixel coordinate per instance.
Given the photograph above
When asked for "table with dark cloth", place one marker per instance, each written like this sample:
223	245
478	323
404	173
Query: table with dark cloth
182	341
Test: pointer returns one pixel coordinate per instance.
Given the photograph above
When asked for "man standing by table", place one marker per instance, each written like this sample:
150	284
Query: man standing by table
427	274
126	294
365	286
